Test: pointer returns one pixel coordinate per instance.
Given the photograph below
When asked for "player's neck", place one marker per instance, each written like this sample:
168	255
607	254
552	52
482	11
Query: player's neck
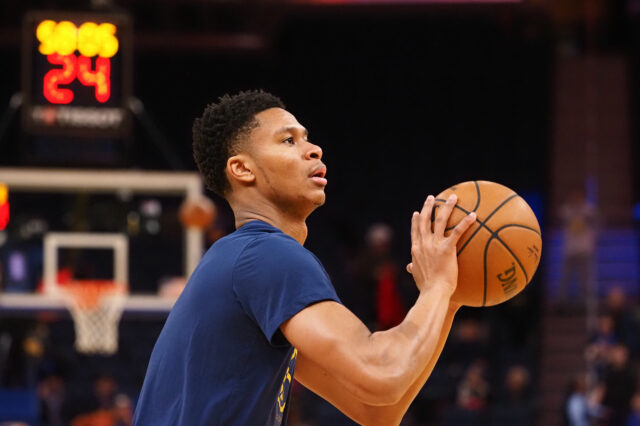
292	225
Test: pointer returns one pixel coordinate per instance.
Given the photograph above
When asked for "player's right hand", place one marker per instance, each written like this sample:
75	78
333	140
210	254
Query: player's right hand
433	255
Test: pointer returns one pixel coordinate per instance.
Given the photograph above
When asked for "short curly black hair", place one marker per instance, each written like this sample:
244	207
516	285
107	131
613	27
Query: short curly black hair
217	133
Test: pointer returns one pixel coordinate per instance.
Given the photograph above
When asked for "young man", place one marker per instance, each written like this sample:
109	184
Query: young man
260	310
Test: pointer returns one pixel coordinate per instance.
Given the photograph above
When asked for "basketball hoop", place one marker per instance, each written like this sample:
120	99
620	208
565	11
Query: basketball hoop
96	307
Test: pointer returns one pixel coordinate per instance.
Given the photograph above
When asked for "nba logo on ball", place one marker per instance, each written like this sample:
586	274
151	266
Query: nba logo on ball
508	281
499	254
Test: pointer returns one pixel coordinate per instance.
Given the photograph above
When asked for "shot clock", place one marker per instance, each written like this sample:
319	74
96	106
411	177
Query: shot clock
76	74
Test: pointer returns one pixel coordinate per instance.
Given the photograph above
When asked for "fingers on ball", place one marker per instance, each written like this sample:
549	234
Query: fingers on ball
464	225
443	217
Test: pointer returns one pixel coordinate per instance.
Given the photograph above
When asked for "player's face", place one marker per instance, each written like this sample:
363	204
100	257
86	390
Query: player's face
289	170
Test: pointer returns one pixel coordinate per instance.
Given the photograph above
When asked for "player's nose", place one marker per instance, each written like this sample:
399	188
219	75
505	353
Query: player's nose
314	152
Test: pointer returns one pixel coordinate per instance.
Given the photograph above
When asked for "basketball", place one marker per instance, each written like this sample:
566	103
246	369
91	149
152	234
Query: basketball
500	252
197	213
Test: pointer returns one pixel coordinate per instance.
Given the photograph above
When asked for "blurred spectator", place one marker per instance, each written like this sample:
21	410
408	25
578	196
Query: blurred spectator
97	410
620	386
634	417
625	327
597	352
516	385
513	405
472	398
52	394
122	410
579	222
576	408
377	298
605	334
594	401
33	347
468	342
104	391
473	390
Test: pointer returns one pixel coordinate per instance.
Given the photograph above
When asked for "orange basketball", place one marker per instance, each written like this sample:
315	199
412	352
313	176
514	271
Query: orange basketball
500	252
197	213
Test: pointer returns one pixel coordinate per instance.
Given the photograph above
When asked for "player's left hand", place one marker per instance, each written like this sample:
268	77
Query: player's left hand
434	260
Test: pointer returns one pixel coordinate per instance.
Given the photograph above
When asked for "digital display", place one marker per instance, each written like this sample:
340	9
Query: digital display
58	41
77	73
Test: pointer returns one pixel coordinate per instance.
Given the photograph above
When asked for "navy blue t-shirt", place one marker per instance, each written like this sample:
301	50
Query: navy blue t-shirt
221	358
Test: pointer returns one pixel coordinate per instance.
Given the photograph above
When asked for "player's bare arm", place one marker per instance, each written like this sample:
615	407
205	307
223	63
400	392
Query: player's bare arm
324	384
380	369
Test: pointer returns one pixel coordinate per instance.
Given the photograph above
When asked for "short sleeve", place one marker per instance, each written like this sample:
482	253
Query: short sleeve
275	278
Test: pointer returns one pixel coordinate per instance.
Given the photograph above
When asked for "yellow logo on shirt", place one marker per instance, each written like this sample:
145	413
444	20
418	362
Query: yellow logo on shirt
286	383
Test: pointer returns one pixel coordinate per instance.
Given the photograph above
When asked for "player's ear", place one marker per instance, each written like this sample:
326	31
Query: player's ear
239	168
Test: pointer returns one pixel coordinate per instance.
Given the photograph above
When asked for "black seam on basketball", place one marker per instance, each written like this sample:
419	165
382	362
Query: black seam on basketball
518	226
478	197
509	198
497	237
433	216
485	221
465	211
475	182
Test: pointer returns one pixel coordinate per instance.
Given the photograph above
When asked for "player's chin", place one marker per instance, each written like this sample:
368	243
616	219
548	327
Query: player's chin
318	198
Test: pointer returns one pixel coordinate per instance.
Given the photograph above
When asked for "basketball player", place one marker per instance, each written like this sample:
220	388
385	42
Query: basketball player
260	311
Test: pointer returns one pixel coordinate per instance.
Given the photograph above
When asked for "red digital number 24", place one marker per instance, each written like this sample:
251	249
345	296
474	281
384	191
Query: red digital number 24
79	67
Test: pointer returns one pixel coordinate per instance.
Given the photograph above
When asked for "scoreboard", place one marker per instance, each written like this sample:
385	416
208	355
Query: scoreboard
76	75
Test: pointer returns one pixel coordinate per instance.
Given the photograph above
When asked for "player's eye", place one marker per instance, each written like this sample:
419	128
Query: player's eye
289	140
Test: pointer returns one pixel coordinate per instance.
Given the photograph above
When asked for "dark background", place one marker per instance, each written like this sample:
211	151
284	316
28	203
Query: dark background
405	101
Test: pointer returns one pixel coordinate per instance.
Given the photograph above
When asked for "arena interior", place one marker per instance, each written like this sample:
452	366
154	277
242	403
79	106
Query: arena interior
99	191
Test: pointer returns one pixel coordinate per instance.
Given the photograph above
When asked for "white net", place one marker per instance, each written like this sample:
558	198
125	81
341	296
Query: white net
96	310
